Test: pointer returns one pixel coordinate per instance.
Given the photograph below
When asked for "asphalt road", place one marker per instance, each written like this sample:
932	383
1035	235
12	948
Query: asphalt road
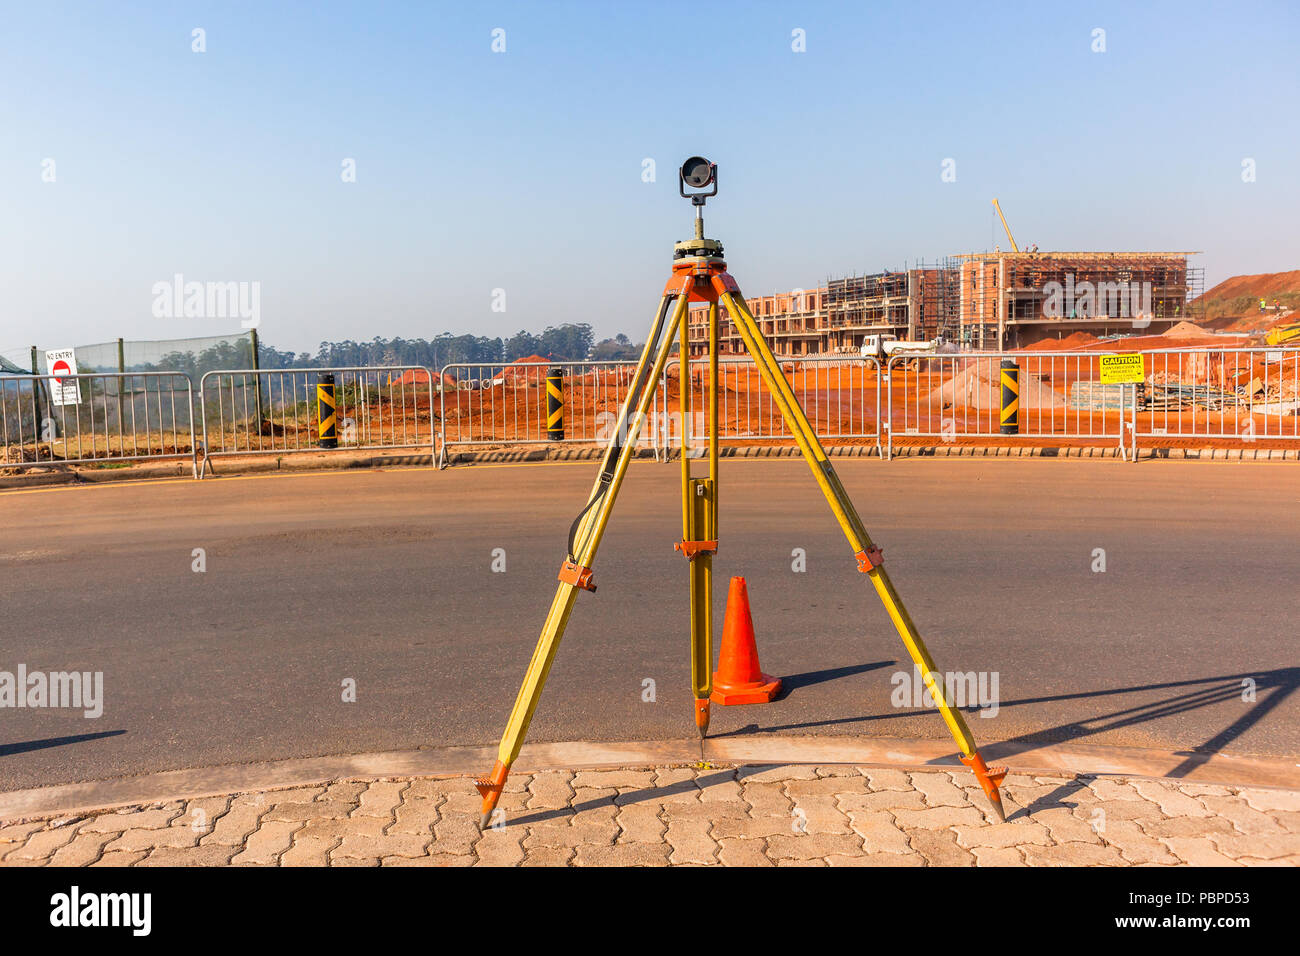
386	578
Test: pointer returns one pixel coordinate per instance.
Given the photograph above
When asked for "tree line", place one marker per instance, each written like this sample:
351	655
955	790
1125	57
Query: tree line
564	343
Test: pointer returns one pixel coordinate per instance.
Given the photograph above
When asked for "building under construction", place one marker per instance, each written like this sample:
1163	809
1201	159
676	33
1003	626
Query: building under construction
991	300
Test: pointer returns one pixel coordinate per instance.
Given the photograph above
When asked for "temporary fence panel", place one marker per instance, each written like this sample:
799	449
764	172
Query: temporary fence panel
506	403
956	397
1248	394
95	417
840	396
256	412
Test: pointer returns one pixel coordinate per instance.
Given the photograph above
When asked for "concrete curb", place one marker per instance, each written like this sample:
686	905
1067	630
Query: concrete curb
308	462
748	749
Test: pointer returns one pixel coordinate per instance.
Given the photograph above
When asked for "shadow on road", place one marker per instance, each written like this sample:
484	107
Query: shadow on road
1272	688
8	750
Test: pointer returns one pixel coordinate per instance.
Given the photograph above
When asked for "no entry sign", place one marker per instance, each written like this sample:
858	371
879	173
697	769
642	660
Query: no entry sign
62	364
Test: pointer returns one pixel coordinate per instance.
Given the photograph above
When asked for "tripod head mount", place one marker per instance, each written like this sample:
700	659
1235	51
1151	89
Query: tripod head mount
697	173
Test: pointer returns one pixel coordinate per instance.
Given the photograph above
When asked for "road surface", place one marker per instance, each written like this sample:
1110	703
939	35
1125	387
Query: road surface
386	579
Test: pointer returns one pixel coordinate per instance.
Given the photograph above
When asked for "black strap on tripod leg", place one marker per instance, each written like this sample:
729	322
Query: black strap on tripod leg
611	459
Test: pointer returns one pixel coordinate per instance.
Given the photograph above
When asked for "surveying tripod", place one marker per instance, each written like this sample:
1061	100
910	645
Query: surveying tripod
699	274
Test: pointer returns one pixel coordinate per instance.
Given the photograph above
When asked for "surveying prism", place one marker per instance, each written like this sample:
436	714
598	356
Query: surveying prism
699	274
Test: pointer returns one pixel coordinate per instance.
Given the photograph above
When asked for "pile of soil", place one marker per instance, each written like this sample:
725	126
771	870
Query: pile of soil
979	386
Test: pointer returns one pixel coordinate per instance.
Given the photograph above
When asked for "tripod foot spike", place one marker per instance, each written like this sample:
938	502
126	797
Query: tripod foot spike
489	789
990	778
702	716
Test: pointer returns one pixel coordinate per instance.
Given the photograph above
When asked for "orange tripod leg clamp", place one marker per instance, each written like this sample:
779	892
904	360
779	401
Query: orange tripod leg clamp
990	779
577	575
692	549
870	559
489	788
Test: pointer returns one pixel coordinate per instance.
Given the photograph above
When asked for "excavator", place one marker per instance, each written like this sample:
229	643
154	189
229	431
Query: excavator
1283	335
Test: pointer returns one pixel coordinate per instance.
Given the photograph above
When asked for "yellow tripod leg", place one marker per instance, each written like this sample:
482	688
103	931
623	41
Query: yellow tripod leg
868	555
587	532
698	543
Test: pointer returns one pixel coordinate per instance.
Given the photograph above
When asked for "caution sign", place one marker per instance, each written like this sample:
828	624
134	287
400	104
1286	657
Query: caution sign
1123	368
62	363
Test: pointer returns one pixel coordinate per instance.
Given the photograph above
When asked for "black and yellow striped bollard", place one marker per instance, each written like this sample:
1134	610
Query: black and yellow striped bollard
1010	397
554	405
327	424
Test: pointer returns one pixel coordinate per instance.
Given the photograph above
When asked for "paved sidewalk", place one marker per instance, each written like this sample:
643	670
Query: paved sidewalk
746	816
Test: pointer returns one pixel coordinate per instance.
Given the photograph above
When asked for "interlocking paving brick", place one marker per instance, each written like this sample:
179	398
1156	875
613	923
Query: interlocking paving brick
883	800
548	856
1065	827
1258	846
766	799
997	856
818	814
811	846
1242	815
689	816
550	791
1108	788
622	854
1000	836
120	858
639	823
613	779
214	854
131	820
380	799
1198	851
886	779
1185	827
265	844
416	816
690	841
309	850
738	851
1269	800
879	832
85	848
42	844
1073	854
500	848
939	847
938	817
1172	801
234	826
1134	844
939	790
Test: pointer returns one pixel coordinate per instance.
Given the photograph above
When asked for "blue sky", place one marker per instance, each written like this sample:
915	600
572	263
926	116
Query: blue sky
522	170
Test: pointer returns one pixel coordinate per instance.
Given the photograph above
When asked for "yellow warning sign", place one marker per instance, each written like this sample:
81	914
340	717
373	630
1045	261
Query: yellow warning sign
1123	368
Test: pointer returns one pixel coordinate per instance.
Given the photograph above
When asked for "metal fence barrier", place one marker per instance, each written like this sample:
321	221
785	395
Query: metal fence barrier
1216	395
505	404
955	397
1250	394
252	412
96	418
840	396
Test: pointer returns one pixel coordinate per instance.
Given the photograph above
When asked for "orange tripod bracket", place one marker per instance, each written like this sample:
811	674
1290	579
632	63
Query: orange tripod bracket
870	559
693	549
577	575
990	779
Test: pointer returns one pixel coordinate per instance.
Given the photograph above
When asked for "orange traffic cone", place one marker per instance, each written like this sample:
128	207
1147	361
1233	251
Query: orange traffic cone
738	679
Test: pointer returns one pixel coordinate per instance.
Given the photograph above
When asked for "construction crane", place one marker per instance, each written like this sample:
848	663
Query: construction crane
1010	238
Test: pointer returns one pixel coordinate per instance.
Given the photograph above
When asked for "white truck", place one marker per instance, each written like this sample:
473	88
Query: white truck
883	345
